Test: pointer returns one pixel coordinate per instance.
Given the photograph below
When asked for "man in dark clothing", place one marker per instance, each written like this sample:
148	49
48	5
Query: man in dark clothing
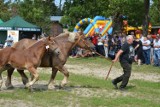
125	56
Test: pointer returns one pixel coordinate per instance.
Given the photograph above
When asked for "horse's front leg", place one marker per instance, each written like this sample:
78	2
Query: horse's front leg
8	82
66	75
24	77
53	75
33	71
1	80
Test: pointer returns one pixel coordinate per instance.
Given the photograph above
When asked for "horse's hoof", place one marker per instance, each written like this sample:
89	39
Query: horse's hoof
63	84
8	85
25	81
51	87
27	85
30	89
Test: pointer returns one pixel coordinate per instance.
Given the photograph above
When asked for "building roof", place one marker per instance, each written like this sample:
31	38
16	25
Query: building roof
55	18
155	27
18	23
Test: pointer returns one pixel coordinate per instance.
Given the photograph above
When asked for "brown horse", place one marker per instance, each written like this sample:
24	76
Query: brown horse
29	58
57	59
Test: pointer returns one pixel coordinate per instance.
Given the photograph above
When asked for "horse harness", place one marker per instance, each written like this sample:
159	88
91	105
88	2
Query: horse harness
80	37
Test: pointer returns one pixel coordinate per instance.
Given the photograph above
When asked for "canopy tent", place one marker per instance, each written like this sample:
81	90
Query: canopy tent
1	21
19	24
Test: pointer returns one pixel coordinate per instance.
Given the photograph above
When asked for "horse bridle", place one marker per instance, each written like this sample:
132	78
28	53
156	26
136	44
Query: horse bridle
79	38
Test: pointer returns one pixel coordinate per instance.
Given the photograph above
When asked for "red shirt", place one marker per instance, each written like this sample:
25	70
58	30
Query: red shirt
95	40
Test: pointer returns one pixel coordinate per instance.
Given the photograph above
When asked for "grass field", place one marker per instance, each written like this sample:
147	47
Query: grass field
86	91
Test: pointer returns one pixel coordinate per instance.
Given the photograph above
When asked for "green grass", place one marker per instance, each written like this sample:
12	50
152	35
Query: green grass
101	62
85	91
139	94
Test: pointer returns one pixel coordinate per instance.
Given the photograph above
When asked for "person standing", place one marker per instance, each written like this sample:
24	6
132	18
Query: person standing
94	40
100	46
146	50
9	41
156	47
106	45
125	56
137	44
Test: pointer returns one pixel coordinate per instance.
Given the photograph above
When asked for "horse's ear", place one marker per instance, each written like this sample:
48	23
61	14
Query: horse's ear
50	38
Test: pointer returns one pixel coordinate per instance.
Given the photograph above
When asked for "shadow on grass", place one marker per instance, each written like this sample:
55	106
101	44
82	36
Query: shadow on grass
44	87
72	87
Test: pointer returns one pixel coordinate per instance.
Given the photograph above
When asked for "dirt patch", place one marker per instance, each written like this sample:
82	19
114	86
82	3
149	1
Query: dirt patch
87	92
15	103
102	72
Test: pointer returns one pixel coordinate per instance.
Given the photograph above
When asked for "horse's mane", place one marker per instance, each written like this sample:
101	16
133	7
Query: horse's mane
63	35
37	43
22	42
70	36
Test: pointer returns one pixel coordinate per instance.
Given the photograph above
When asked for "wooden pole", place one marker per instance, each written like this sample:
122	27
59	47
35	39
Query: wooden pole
109	71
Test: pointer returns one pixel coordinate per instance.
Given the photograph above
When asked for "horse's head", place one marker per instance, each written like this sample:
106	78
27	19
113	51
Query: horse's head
81	41
50	43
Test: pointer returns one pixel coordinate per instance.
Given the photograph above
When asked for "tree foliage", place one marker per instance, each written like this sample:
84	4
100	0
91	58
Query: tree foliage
37	11
4	11
33	11
78	9
155	12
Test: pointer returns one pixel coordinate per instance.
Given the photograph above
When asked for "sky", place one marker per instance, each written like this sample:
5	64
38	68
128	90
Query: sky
57	2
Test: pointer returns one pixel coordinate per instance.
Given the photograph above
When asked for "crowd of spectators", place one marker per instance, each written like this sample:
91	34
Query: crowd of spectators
147	49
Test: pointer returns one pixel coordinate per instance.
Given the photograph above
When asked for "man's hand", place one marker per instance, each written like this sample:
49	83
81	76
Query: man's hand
117	56
115	60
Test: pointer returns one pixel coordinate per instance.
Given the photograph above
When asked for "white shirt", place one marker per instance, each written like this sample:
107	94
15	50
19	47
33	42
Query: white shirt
156	43
100	41
105	38
142	39
147	42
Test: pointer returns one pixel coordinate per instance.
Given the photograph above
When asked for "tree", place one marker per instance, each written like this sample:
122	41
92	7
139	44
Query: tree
155	12
4	13
59	11
146	17
132	9
38	11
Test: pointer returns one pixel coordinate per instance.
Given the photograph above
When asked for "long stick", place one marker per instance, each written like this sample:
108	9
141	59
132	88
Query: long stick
109	71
